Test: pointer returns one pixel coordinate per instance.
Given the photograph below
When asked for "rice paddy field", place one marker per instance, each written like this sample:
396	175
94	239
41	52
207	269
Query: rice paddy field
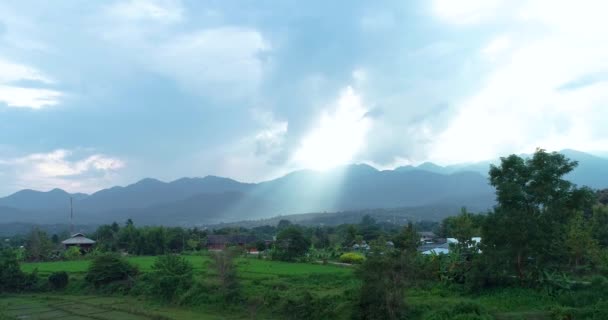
257	278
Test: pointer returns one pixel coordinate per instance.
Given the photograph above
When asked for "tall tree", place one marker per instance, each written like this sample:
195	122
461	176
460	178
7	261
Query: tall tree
535	203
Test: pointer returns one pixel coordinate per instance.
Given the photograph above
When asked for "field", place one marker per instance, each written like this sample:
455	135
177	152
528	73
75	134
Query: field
258	277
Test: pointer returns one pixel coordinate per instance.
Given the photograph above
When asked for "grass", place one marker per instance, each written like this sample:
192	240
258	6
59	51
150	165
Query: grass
262	279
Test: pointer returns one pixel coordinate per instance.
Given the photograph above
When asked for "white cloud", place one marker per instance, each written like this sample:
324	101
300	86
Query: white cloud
224	62
217	62
14	95
62	169
520	105
466	12
496	46
339	135
167	11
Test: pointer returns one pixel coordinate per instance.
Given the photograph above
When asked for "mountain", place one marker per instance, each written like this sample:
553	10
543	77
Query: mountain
150	192
592	171
196	201
38	200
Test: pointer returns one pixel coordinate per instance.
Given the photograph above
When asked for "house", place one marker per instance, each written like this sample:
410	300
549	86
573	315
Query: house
80	241
427	237
218	242
444	248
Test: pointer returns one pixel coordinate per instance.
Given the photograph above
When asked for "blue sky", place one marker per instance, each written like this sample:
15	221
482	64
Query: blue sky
100	93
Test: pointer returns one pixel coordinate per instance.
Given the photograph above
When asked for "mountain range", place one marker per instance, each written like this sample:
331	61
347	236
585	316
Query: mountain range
210	200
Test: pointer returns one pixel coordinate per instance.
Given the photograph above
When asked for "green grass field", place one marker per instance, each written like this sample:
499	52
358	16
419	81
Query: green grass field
257	277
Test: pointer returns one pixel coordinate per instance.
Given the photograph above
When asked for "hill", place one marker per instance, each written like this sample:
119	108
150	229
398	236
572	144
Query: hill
200	201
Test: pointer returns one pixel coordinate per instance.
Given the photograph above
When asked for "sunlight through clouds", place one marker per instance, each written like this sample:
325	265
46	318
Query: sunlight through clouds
339	135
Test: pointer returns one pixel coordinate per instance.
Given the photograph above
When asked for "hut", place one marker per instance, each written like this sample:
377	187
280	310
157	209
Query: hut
80	241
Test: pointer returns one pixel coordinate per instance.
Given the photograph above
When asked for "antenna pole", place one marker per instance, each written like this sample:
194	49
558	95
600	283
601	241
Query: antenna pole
71	217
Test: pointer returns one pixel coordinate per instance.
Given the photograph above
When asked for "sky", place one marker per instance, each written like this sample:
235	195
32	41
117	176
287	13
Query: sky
101	93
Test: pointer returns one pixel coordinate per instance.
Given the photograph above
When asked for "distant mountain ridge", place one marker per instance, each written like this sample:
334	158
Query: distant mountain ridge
215	199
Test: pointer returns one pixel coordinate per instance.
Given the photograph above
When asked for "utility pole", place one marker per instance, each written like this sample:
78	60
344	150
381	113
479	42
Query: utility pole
71	218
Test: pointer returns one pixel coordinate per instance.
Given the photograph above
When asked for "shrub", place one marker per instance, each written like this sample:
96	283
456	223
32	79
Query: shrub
108	268
352	257
171	276
58	280
11	276
462	311
72	253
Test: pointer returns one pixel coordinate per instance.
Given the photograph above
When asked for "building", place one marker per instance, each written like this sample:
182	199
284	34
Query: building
80	241
220	242
427	237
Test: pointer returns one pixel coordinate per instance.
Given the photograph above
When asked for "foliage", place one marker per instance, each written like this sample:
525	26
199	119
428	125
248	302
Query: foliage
460	311
534	199
383	277
171	275
72	253
290	244
38	245
11	277
408	239
107	268
58	280
223	263
352	257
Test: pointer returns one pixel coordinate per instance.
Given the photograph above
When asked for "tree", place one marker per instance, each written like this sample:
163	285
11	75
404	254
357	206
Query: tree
223	262
291	244
11	276
535	203
108	268
383	278
171	275
38	245
579	240
283	224
599	224
408	239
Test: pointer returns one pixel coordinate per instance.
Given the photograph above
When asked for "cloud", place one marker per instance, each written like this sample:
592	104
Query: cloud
466	12
224	62
15	95
62	169
527	98
338	136
167	11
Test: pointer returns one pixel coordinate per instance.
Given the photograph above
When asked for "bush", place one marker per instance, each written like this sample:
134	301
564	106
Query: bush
108	268
352	257
58	280
462	311
72	253
11	277
171	276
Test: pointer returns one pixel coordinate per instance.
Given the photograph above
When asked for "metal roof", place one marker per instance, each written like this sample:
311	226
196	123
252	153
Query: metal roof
78	238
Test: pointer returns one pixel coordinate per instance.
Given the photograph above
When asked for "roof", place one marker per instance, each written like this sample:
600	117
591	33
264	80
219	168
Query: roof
427	234
78	238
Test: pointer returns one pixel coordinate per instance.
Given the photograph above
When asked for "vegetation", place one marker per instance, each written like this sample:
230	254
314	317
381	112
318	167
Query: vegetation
543	255
108	268
58	280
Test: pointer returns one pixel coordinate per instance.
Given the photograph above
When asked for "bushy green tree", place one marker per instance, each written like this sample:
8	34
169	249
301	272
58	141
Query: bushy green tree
384	278
535	204
38	245
109	267
171	275
290	244
11	277
408	238
223	263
